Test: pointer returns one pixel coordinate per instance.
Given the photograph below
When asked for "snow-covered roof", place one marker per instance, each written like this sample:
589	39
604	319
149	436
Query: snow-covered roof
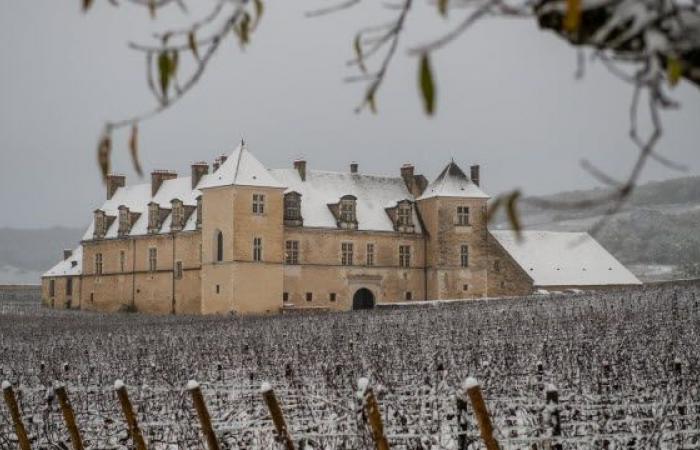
72	266
452	182
242	169
553	258
321	188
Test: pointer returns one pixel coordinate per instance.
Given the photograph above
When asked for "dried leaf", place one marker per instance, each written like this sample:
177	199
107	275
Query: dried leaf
674	71
164	72
357	45
152	8
513	216
104	151
572	21
493	208
426	84
134	149
192	42
86	5
259	9
442	7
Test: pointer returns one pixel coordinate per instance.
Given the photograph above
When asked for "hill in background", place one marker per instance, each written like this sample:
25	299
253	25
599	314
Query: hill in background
26	254
656	234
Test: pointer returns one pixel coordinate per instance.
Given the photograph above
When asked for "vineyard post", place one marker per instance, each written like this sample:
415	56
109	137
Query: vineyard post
371	409
552	401
69	417
277	417
482	415
21	432
128	410
203	414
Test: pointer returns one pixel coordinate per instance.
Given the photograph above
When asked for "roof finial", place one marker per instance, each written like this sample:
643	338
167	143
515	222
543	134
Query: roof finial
242	141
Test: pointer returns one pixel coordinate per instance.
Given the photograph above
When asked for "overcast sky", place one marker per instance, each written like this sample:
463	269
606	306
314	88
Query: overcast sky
507	99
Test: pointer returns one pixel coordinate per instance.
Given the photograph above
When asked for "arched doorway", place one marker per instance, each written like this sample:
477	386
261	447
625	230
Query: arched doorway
363	299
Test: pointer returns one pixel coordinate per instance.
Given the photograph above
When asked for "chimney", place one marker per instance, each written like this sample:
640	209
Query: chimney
67	254
300	165
475	174
407	171
114	182
157	178
199	169
353	167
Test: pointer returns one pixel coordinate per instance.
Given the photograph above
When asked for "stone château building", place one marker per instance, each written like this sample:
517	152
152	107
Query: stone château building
247	239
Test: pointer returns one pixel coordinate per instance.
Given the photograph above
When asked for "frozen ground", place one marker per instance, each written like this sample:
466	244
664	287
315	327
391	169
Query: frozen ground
626	364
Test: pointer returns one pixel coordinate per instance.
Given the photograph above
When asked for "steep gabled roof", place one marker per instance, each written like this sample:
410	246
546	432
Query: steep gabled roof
374	194
242	169
564	259
72	266
452	182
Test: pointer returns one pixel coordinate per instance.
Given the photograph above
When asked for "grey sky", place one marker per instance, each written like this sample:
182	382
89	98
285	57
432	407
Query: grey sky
507	99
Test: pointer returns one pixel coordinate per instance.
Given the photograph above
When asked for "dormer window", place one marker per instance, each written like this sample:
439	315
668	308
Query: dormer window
124	221
177	221
100	224
404	217
347	210
292	209
153	217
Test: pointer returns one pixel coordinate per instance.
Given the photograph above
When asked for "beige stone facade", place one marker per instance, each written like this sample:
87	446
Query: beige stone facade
248	240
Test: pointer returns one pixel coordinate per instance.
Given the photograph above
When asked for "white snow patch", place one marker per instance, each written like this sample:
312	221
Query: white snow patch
119	384
470	383
265	387
6	385
550	388
192	385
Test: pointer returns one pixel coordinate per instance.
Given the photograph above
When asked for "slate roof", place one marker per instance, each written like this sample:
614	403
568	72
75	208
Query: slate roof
553	258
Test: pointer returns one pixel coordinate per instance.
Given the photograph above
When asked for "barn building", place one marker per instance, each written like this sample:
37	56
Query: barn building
245	239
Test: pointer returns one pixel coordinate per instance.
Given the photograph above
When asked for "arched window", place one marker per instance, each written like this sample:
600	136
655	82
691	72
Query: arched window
219	246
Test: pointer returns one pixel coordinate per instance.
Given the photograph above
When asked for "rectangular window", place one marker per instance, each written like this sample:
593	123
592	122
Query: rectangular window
404	216
465	287
98	263
178	270
462	215
152	259
404	255
92	297
69	286
409	295
464	256
258	203
122	260
497	265
347	211
346	253
332	296
285	296
309	296
218	289
292	252
370	254
257	249
52	288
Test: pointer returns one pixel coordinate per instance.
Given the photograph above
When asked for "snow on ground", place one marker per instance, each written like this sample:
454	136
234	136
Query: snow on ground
624	362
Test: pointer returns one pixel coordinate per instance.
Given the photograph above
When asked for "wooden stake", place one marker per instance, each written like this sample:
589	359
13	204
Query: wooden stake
276	414
552	400
11	401
203	414
69	417
374	417
482	415
128	410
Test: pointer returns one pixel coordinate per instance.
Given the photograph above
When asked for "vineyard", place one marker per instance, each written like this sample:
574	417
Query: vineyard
621	370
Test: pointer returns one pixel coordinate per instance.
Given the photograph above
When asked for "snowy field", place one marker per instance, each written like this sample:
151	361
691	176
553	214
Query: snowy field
626	364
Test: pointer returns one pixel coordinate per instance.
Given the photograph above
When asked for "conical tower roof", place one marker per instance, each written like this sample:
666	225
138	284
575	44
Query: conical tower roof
241	168
452	182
